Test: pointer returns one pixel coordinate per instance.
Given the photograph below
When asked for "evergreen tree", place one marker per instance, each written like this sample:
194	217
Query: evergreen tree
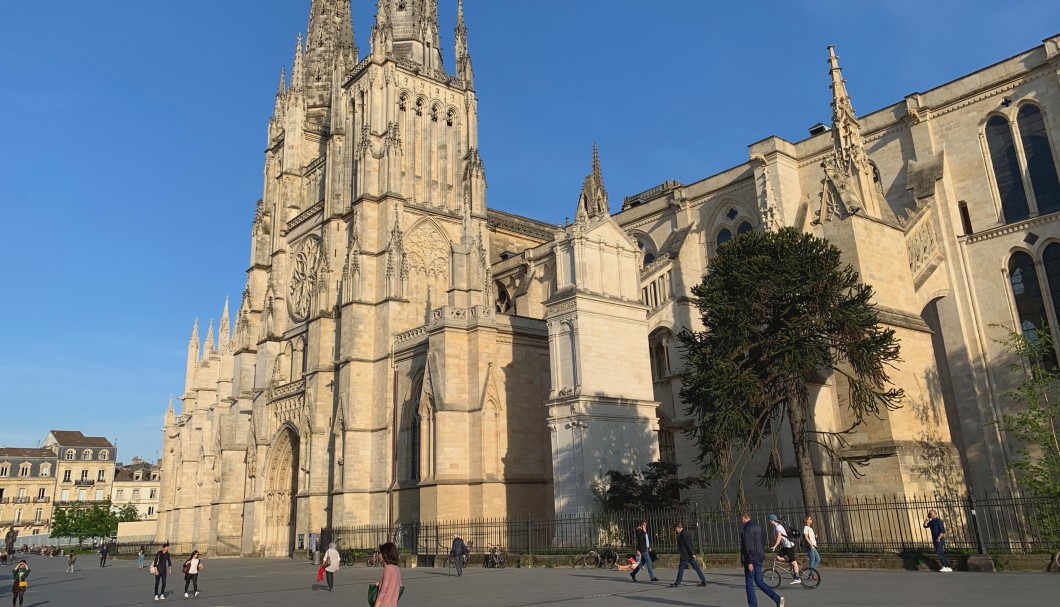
781	311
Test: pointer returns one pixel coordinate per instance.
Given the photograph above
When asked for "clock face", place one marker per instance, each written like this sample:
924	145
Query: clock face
304	277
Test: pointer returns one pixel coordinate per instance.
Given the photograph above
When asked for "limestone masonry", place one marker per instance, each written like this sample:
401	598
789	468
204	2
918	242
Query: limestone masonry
402	352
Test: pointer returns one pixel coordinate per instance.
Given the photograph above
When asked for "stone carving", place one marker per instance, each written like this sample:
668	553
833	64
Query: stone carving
922	246
427	258
351	269
304	277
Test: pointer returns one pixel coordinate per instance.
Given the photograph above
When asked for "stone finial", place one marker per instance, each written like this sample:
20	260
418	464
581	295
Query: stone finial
593	199
297	69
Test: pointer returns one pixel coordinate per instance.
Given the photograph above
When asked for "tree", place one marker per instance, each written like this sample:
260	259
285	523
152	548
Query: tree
91	520
126	514
781	311
657	486
1037	461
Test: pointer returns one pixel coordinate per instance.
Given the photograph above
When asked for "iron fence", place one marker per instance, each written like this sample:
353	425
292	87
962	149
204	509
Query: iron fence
990	523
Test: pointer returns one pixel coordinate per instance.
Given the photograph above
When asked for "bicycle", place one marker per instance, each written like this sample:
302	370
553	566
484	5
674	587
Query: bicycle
808	576
451	562
375	559
495	558
347	557
607	557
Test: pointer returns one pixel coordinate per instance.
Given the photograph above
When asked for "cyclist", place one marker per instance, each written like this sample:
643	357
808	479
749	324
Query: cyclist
786	550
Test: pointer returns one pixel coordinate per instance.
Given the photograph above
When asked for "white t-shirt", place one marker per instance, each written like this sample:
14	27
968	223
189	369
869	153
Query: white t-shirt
783	533
193	567
809	536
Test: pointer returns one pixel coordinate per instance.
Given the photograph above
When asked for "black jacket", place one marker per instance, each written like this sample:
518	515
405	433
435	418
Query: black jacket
684	545
752	543
163	562
642	540
459	547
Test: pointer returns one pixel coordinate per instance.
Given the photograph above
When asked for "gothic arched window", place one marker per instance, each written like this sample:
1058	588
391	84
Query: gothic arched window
1006	169
1030	308
1040	165
744	228
724	236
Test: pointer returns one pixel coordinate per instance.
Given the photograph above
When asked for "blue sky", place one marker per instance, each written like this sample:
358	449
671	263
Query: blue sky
134	132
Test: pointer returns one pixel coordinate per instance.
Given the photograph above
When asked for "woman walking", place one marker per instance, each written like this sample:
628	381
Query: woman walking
191	569
331	564
390	584
140	557
18	589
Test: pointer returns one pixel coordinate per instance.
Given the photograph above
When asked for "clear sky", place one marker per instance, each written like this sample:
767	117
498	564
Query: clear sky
133	136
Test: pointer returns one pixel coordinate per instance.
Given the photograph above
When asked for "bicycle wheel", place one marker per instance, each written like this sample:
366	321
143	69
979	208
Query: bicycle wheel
591	560
448	562
810	578
772	577
502	560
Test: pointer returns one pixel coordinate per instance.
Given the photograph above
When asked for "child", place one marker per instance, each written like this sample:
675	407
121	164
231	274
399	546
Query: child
18	589
70	560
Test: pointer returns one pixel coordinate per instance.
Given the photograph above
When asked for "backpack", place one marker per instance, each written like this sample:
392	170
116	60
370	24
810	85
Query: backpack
794	533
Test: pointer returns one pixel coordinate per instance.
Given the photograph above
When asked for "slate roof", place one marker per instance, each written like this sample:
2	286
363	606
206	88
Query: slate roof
74	438
21	452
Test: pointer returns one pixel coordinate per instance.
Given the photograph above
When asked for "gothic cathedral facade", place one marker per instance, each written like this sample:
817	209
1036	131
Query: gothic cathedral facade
403	352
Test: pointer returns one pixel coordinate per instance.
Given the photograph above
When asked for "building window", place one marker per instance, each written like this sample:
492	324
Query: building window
23	470
102	476
82	495
104	454
99	495
138	475
724	236
1030	308
152	494
40	493
86	454
154	476
135	494
1040	165
1026	183
4	468
66	476
150	511
1006	169
119	494
70	454
744	228
45	469
18	516
84	475
65	495
38	515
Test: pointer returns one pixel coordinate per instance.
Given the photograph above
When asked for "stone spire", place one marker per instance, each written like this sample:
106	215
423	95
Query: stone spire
846	133
463	59
297	69
329	35
193	343
224	326
382	31
408	29
593	200
281	97
208	346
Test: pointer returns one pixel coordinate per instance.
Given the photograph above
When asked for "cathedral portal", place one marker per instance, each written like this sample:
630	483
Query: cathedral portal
280	490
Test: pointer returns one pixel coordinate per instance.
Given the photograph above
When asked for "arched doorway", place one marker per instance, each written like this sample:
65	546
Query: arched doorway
280	489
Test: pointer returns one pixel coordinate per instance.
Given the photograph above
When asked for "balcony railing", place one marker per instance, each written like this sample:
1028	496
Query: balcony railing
84	482
42	500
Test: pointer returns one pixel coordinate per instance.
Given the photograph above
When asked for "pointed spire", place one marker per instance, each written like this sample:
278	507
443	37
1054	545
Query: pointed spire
280	105
224	326
281	88
297	71
846	133
194	341
464	70
208	346
382	31
593	199
329	34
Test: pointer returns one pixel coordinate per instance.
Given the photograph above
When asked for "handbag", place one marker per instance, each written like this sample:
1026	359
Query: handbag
654	557
327	562
186	568
320	574
373	593
23	584
154	570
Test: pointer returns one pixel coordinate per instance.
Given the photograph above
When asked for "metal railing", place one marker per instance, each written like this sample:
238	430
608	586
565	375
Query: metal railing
994	524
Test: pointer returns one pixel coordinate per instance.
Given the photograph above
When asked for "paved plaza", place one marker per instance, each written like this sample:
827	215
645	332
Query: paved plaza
258	582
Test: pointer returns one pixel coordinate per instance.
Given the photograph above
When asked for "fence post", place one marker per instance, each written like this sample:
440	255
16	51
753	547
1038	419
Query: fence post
699	529
529	546
975	524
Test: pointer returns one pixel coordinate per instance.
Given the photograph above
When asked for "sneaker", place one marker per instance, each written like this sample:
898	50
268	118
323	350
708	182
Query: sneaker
780	603
701	584
196	593
161	597
655	579
633	576
797	580
156	597
674	585
945	570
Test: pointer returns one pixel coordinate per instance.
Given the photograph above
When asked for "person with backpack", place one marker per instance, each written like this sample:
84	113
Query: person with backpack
458	551
784	546
809	541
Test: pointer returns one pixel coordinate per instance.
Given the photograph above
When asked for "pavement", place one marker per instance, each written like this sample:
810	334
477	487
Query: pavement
267	582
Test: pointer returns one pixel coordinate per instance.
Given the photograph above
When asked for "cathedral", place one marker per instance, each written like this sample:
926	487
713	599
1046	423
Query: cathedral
403	352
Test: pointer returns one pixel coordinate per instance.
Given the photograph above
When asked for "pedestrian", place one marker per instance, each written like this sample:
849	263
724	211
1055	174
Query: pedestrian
103	555
390	584
331	564
688	556
140	557
70	560
161	567
458	552
752	540
809	538
191	570
312	546
3	558
643	552
784	547
18	589
938	538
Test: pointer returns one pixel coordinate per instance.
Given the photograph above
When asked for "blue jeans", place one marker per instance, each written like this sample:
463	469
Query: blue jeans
814	556
940	550
754	578
645	562
681	571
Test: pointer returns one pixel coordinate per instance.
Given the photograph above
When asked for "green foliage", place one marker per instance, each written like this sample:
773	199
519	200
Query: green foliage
90	520
780	311
657	486
1038	460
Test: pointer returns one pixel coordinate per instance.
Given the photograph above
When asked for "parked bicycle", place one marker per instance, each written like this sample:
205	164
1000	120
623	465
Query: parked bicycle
375	559
347	557
495	558
606	557
809	576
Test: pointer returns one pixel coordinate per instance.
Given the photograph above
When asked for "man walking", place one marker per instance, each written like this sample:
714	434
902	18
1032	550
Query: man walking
458	550
688	556
161	567
103	552
643	553
751	557
786	546
938	538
